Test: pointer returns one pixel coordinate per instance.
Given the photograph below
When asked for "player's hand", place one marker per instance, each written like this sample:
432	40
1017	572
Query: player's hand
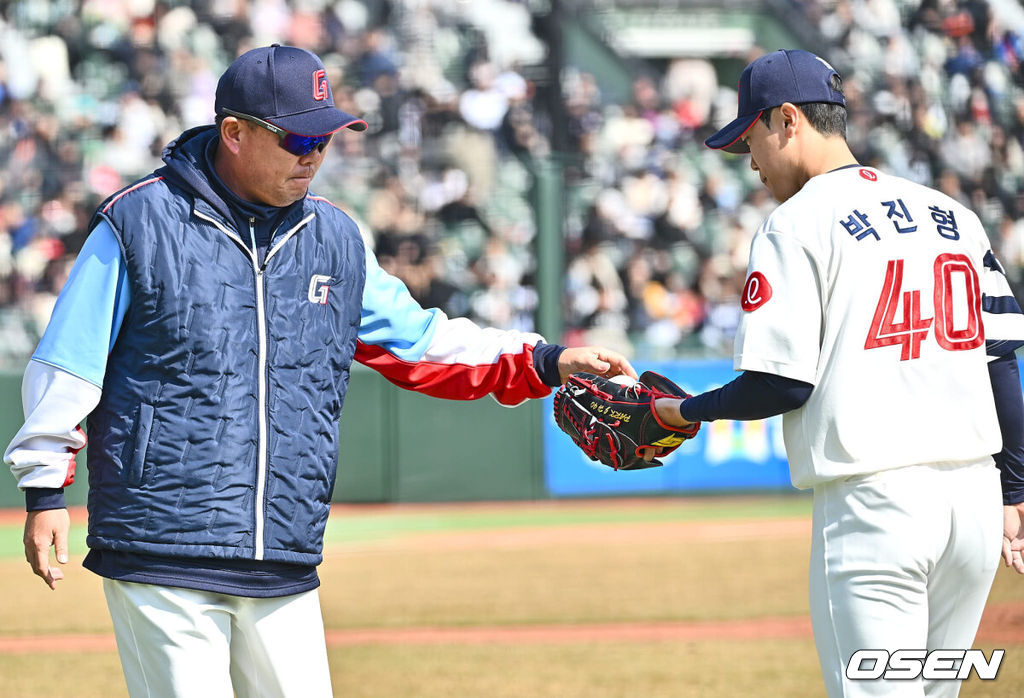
597	360
668	413
43	530
650	453
1013	537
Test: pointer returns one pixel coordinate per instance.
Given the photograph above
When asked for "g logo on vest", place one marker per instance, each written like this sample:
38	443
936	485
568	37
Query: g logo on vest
318	288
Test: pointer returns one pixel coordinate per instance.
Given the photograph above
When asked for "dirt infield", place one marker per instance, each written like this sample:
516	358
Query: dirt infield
762	628
1002	623
540	595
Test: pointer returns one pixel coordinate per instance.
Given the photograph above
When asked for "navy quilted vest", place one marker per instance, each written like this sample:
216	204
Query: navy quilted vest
216	435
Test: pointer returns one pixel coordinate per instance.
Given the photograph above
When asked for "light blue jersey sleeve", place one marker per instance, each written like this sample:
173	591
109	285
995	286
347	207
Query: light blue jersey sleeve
89	310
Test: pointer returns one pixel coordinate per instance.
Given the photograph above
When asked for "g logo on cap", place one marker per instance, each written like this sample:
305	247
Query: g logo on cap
319	85
756	292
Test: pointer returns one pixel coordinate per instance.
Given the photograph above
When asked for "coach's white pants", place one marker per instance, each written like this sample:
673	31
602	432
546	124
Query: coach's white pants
902	559
180	643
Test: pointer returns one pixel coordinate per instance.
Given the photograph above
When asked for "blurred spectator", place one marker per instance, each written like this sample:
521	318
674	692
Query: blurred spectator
657	229
483	106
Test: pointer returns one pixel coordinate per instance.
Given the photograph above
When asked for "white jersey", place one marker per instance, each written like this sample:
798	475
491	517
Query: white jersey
883	294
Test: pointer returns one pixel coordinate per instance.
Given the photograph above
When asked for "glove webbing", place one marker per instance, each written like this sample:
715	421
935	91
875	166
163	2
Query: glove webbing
589	440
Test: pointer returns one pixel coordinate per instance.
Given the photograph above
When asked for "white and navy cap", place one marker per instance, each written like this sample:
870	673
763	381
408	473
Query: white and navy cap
786	75
286	86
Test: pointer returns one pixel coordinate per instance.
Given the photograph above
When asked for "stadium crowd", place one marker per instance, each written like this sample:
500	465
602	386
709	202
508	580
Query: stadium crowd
657	227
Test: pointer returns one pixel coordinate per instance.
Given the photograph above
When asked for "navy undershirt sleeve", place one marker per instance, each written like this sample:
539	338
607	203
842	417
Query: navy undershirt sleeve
41	498
752	395
1005	377
545	360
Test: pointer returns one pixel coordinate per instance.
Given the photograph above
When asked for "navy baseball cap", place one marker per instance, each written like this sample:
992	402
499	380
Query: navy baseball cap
786	75
286	86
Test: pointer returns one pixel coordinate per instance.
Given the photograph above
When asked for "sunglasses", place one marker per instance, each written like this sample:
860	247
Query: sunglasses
292	142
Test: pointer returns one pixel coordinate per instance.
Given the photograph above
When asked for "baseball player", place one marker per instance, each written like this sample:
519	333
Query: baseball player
207	330
877	318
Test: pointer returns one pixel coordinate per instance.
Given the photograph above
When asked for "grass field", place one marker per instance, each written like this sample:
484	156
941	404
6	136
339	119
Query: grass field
649	598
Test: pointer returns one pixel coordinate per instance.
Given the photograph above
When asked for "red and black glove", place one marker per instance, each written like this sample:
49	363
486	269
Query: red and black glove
613	423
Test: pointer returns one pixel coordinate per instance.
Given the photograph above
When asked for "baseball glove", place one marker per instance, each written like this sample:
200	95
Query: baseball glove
613	422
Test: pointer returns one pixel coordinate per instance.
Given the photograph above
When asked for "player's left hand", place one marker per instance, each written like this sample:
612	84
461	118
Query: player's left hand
1013	537
597	360
45	529
649	453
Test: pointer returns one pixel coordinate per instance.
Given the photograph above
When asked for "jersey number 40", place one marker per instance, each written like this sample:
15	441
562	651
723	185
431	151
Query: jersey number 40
952	272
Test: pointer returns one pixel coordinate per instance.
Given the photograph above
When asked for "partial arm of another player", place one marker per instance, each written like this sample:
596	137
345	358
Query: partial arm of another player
453	358
60	387
1005	377
1004	333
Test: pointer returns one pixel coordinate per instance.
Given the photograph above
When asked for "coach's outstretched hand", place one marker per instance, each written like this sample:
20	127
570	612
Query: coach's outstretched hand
43	530
597	360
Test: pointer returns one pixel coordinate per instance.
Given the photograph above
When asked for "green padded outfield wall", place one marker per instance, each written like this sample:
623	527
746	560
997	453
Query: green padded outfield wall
396	446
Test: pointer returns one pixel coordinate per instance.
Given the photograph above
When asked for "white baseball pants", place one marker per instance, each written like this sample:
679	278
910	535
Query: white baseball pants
180	643
902	559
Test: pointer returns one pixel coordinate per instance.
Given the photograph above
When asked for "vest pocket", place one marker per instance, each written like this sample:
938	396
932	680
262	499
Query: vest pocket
137	456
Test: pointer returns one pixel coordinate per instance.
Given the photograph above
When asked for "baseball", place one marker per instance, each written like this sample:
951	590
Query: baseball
623	379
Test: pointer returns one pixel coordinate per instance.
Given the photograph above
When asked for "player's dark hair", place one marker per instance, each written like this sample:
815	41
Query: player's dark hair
826	118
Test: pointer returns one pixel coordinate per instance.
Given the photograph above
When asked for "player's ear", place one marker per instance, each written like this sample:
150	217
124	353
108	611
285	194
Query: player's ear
230	133
789	116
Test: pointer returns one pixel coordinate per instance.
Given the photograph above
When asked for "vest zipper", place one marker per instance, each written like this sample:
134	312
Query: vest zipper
261	466
261	446
261	322
261	482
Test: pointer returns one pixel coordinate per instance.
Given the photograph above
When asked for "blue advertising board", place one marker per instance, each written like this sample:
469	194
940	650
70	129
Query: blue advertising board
725	455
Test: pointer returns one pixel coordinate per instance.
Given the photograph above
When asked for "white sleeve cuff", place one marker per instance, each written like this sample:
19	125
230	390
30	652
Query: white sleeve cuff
55	402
